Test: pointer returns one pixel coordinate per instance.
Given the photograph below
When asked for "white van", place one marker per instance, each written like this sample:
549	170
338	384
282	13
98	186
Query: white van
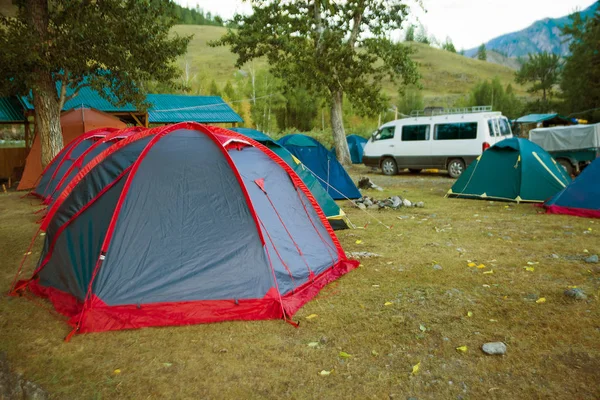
449	140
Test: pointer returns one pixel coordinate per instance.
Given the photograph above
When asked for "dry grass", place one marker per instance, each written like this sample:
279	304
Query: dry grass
553	348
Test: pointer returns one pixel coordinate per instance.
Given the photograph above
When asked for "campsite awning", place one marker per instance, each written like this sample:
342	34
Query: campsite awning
536	118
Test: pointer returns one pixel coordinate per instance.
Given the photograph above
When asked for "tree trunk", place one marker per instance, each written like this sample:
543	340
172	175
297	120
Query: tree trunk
47	117
337	125
45	100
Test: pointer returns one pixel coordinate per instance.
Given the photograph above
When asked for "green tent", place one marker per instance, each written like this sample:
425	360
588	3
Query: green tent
335	215
515	170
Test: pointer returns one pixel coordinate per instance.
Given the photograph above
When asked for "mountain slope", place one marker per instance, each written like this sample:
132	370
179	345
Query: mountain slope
444	74
543	35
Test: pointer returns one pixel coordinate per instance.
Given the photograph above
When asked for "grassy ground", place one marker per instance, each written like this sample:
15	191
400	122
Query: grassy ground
553	349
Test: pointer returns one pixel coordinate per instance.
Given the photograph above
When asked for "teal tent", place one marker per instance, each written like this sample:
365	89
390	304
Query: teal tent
335	215
514	170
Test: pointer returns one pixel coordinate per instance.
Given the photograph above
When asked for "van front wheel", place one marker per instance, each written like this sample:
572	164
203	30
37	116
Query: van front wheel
388	166
456	167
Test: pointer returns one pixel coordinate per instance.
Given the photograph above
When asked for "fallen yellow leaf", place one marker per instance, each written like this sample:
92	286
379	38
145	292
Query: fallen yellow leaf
572	287
541	300
343	354
493	320
117	371
481	266
462	349
388	303
311	316
471	264
325	373
470	314
415	368
530	269
358	241
491	271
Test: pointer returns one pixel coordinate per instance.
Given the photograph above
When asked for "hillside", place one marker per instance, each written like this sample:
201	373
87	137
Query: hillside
542	35
445	75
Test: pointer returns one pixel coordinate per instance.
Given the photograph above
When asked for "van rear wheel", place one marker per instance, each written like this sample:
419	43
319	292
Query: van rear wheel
415	170
456	167
388	166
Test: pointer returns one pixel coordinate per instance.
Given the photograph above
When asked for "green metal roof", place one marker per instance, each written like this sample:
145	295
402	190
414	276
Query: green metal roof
87	97
171	108
10	110
535	118
165	108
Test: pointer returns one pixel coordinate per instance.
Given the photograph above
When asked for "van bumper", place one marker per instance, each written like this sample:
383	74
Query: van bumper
371	161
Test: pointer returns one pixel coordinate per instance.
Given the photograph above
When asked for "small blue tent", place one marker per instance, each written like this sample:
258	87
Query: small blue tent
356	145
581	197
323	164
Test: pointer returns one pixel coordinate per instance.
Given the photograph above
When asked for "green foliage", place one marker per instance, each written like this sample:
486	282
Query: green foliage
299	110
542	72
421	35
448	45
492	93
409	99
187	16
315	45
482	52
410	33
213	89
90	43
580	82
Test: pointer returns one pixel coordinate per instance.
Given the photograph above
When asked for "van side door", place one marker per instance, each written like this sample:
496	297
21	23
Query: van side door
414	150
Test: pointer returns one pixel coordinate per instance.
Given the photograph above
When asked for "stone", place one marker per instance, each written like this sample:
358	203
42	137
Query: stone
593	259
406	203
396	201
323	340
494	348
373	207
437	267
575	293
361	206
367	202
555	256
420	204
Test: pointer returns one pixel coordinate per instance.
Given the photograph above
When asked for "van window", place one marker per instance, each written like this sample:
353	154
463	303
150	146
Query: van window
415	132
386	133
504	127
456	131
492	128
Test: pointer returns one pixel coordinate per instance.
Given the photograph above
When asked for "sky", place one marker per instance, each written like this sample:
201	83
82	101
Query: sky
467	22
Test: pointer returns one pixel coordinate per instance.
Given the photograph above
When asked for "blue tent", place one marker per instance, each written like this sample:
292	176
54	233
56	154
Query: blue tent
581	197
180	225
323	164
356	145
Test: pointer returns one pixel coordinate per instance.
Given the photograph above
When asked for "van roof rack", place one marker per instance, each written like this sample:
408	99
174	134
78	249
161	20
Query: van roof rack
431	111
